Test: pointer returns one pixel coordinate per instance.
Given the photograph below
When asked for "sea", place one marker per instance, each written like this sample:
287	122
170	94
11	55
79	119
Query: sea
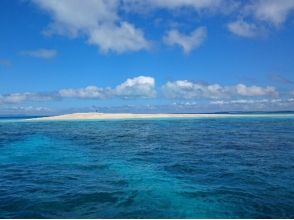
156	168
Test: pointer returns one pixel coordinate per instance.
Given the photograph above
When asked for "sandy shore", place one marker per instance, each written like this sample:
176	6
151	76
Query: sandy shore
94	115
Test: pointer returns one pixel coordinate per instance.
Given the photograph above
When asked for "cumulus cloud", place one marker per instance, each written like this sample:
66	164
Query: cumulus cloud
98	20
141	86
186	42
244	90
272	11
103	23
40	53
184	89
243	29
192	95
120	39
137	87
263	14
92	92
188	90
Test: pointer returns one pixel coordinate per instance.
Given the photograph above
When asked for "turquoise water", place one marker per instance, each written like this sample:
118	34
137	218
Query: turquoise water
190	168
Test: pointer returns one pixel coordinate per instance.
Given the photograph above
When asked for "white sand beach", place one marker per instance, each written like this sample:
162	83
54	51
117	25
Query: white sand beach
97	116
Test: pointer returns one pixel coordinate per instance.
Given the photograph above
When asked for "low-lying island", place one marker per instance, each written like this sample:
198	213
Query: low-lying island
97	116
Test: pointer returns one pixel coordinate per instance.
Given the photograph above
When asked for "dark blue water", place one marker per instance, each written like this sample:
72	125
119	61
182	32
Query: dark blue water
192	168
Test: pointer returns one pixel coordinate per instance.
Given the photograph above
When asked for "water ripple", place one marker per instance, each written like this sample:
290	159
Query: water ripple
210	168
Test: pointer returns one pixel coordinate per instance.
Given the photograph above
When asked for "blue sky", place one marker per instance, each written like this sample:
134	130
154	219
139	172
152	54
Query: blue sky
146	56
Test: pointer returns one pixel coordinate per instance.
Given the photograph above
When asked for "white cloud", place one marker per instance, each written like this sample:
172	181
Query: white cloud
87	92
276	104
137	87
263	14
118	38
244	90
184	89
188	90
141	86
98	20
102	23
197	5
14	98
245	101
40	53
73	17
271	11
37	110
243	29
186	42
31	109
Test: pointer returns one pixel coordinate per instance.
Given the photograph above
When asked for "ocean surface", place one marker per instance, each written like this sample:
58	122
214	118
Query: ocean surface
164	168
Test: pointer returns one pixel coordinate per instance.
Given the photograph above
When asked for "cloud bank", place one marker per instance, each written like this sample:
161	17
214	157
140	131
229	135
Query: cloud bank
179	96
142	87
14	98
184	89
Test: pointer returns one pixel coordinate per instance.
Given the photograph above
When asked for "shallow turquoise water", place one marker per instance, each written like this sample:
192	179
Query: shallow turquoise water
191	168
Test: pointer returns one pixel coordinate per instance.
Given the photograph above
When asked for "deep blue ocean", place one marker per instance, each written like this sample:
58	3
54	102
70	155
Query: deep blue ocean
171	168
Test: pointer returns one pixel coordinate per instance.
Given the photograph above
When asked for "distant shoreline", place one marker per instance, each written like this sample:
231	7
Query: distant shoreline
97	116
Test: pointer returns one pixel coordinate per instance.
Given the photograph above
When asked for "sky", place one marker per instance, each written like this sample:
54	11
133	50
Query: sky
63	56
